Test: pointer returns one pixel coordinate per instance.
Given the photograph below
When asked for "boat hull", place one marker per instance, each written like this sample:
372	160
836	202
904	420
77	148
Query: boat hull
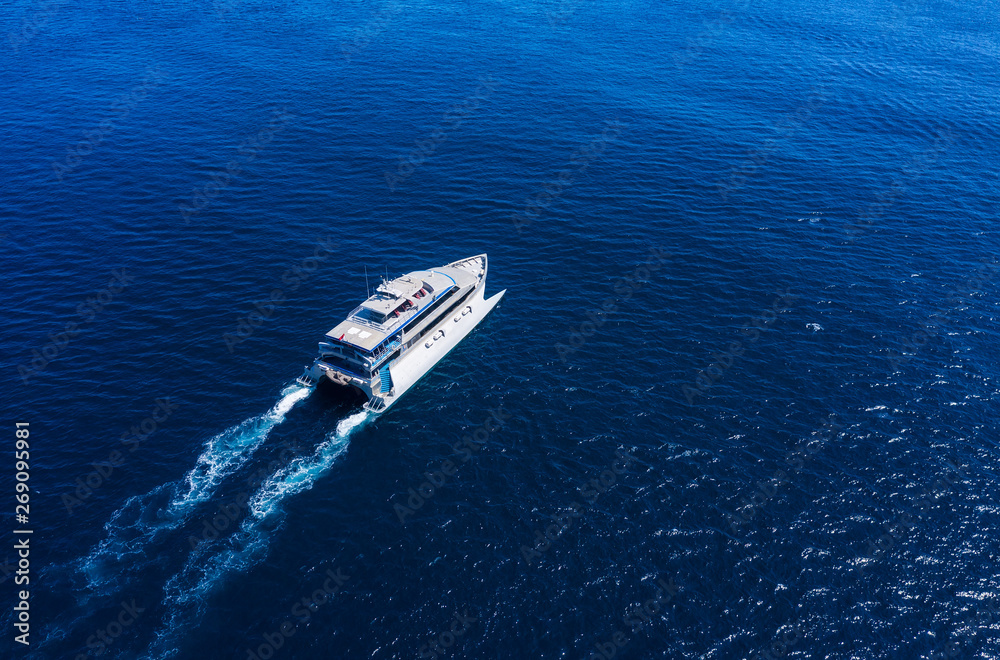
420	359
417	355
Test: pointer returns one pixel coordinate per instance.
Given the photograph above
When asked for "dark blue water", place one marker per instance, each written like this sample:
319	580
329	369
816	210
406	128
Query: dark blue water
742	386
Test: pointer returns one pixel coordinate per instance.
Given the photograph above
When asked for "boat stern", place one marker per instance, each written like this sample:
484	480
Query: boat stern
311	375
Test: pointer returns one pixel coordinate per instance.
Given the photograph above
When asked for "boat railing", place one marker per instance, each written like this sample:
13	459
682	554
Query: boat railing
389	326
307	379
382	352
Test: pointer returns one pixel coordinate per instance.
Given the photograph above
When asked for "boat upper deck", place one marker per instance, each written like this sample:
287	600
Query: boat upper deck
399	301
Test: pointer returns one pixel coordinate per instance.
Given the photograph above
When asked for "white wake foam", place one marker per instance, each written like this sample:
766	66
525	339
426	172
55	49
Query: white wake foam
301	473
228	450
135	525
210	564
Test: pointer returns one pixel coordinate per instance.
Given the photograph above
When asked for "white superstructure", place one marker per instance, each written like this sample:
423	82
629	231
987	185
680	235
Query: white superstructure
396	336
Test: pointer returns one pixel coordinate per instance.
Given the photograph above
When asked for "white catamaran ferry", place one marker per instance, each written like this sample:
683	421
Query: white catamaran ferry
396	336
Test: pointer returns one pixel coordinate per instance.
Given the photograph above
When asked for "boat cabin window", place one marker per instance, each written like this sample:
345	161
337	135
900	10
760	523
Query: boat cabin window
370	315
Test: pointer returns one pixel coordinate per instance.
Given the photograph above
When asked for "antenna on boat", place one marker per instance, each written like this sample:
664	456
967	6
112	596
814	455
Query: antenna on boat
367	290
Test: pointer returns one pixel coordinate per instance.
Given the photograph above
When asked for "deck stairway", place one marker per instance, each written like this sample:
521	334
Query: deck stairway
386	378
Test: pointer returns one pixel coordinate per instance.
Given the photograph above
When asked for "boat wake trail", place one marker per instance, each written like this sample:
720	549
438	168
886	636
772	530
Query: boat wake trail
142	518
230	449
300	474
209	565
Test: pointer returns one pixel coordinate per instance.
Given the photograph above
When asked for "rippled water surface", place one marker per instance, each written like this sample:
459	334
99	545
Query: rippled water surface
737	399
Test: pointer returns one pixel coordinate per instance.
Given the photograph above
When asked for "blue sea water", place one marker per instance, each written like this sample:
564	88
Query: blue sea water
742	377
